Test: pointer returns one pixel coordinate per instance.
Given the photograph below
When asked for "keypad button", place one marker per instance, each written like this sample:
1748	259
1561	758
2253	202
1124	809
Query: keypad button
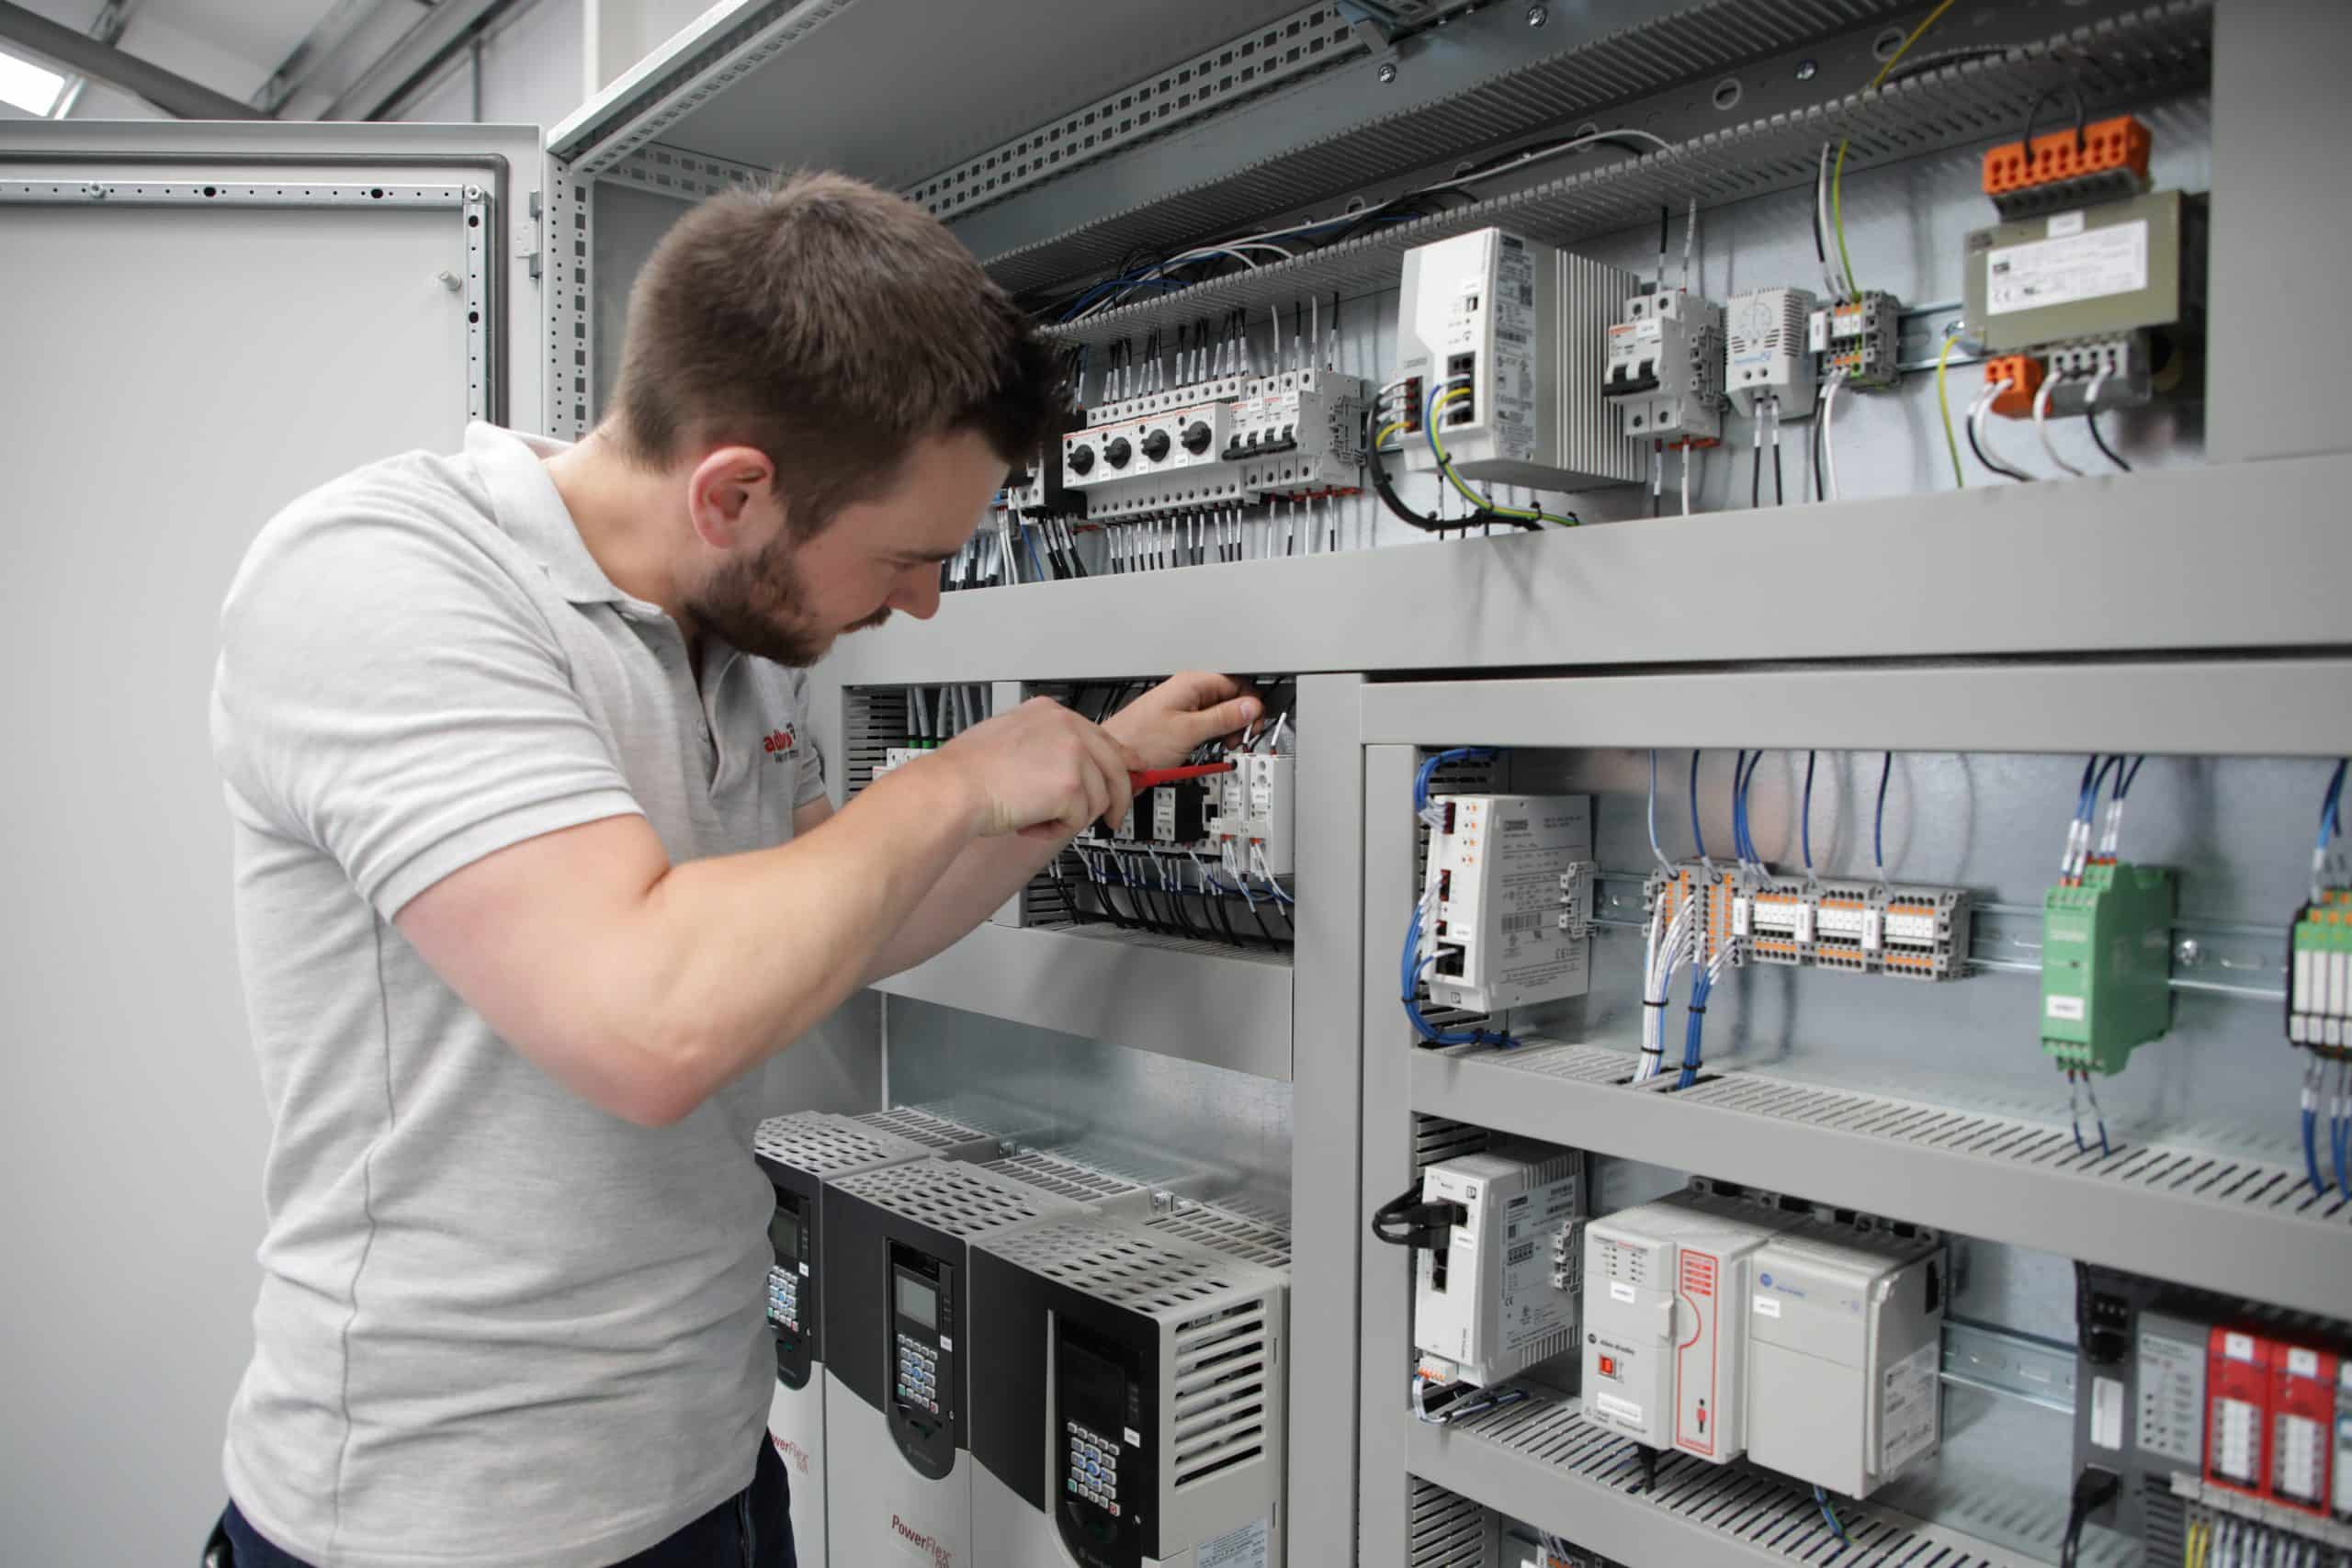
1115	1510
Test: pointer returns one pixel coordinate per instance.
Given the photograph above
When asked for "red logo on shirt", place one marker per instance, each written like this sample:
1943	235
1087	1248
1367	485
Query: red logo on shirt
783	739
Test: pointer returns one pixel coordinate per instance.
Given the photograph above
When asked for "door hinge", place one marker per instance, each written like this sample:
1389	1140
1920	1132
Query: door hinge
529	245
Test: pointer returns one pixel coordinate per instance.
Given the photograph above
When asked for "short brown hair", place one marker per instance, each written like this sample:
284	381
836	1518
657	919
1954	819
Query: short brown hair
832	325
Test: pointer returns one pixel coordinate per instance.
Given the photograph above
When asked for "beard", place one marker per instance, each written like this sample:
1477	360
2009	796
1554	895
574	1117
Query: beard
760	606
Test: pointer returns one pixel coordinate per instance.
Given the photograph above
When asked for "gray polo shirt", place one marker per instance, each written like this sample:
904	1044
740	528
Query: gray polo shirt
497	1325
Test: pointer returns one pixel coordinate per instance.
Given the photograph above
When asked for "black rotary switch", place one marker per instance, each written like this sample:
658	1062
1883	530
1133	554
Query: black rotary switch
1196	438
1117	453
1155	445
1081	459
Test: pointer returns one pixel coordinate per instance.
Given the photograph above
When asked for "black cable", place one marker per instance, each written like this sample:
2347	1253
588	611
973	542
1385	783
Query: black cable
1780	492
1813	443
1995	468
2093	1489
1425	521
2090	422
2081	118
1756	476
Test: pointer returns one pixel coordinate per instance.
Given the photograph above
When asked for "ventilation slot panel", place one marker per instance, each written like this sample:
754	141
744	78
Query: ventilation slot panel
1444	1529
953	1199
1221	1369
1139	1272
922	1127
1063	1178
1227	1234
876	718
823	1144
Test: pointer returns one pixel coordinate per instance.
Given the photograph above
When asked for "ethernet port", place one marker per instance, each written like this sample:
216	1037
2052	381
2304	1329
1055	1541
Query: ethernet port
1461	376
1449	961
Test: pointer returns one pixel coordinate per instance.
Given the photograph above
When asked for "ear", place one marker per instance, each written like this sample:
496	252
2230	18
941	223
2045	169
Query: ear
730	495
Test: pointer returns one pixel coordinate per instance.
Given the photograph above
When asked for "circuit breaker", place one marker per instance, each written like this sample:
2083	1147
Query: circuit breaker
1131	1409
1665	368
1667	1298
1490	1303
1845	1326
1495	868
1507	341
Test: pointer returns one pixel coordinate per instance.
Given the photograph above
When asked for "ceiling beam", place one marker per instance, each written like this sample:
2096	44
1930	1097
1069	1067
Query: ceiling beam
168	91
423	47
322	48
113	17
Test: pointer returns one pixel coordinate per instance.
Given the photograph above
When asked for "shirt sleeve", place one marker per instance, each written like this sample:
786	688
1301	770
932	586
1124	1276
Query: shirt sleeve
809	785
387	693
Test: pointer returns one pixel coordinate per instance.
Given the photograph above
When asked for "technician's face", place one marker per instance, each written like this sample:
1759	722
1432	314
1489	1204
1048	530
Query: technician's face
788	600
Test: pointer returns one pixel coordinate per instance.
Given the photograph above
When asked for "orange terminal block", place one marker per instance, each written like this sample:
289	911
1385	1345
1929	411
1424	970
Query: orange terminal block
2110	145
2023	373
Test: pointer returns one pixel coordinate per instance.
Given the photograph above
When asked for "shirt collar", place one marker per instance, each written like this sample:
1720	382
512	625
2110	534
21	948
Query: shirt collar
531	512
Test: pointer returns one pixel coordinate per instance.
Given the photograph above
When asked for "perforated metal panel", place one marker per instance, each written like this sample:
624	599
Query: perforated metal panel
2164	47
959	1200
1770	1515
1122	1266
1064	1179
1435	1138
1211	1227
1447	1529
825	1144
922	1127
1222	1385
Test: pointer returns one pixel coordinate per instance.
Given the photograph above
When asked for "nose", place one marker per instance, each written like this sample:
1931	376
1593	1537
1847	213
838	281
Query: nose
916	593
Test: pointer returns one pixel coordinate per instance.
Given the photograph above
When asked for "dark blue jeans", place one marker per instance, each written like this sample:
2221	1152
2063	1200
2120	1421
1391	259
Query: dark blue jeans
751	1530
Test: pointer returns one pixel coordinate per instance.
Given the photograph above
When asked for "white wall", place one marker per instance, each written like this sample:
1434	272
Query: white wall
531	72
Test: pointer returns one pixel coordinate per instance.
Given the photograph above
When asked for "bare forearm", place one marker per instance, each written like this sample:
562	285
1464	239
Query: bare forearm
743	954
983	876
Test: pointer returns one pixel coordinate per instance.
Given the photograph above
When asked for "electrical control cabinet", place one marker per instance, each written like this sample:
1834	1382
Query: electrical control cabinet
1845	1355
800	1154
1490	1303
901	1331
1667	1289
1665	368
1495	868
1506	339
1131	1408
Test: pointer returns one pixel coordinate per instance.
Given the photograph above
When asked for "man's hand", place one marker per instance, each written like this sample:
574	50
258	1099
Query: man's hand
1165	725
1040	770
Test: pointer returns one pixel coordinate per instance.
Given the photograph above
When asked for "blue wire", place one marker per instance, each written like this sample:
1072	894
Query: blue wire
1697	836
1030	541
1738	817
2311	1151
2123	780
1878	824
1700	988
1821	1499
1747	822
1408	973
2331	807
1808	813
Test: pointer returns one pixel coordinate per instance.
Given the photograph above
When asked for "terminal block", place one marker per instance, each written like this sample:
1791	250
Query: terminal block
2069	168
1040	488
1862	927
1858	340
1577	884
1300	433
2106	965
1766	358
1665	368
2319	975
2024	375
1255	810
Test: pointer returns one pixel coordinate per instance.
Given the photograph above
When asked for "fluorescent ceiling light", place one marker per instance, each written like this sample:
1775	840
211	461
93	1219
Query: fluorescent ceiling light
30	87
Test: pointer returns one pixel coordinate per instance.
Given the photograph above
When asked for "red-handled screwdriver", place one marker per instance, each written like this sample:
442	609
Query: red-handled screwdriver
1155	777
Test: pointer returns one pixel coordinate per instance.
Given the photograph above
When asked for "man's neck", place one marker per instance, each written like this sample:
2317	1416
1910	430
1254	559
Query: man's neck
622	510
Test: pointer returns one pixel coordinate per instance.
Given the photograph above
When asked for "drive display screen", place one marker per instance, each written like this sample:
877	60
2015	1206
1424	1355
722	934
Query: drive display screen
917	1301
784	1234
1095	1390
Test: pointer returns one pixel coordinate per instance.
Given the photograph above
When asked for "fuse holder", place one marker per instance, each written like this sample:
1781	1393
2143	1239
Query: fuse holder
2023	373
2110	146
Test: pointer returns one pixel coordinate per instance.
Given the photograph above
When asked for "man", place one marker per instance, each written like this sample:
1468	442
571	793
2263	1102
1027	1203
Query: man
534	864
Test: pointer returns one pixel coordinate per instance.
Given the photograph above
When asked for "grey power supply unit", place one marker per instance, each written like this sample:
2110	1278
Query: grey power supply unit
1521	330
1497	862
1845	1353
2091	272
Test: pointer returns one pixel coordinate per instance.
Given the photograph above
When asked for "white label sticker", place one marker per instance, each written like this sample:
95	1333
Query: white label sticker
2067	1008
804	1270
2238	1347
1873	930
1244	1548
1625	1410
946	1343
1621	1292
2090	266
1907	1407
1743	914
1135	1439
1806	913
1767	1307
2107	1413
2064	224
2302	1363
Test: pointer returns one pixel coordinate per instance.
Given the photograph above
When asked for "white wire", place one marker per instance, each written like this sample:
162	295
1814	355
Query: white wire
1689	452
2042	424
1829	444
1689	238
1539	155
1976	412
1829	274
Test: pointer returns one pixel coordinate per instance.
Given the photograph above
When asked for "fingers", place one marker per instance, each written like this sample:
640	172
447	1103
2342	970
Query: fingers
1198	689
1225	718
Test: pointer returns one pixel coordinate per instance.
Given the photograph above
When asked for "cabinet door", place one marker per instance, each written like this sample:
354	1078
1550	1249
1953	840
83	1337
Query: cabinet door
201	323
